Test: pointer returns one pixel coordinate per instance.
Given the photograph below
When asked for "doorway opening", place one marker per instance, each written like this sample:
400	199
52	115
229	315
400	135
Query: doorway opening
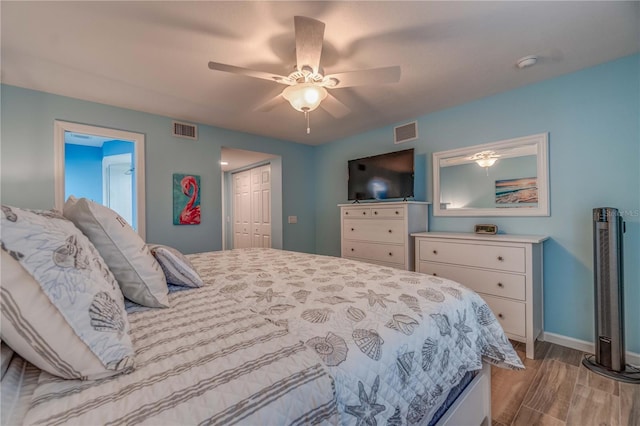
251	199
104	165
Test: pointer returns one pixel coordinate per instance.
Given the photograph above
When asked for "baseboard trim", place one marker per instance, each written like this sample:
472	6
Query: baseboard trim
584	346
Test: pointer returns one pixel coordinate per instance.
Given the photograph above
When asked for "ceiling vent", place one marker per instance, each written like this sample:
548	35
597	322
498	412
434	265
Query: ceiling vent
406	132
185	130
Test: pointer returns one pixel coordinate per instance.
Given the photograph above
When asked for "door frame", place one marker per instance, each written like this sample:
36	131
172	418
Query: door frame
60	127
277	230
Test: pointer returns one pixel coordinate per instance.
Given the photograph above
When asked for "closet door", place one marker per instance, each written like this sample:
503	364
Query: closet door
261	206
242	209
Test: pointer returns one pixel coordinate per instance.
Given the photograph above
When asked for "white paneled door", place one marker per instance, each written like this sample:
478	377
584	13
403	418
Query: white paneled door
252	207
261	206
241	210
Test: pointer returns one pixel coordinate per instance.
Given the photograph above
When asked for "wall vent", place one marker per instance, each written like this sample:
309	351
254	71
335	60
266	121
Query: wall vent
406	132
185	130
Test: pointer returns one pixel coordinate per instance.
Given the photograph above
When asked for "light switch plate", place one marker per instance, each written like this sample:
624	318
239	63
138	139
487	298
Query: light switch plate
292	219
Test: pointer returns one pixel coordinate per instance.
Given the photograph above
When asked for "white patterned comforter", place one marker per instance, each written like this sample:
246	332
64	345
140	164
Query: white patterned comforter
277	337
394	341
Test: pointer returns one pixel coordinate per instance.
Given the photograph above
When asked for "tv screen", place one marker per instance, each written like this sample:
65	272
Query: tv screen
382	176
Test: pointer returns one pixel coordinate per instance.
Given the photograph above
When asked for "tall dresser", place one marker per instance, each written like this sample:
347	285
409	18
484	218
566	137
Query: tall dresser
381	232
505	270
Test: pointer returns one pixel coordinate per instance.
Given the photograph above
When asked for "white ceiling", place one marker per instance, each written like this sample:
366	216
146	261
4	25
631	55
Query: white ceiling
152	56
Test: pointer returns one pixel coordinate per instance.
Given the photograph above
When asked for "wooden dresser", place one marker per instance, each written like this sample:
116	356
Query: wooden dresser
506	270
380	232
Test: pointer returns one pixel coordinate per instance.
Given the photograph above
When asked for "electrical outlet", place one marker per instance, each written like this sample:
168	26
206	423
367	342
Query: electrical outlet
292	219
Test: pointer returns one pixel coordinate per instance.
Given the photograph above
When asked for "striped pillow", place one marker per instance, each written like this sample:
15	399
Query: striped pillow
61	308
176	267
123	250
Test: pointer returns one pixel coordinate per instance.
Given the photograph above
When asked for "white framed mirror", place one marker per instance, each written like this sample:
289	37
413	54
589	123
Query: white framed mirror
505	178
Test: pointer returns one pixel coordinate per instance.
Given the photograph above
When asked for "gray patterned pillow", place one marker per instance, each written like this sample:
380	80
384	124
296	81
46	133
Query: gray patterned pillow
62	309
136	270
176	267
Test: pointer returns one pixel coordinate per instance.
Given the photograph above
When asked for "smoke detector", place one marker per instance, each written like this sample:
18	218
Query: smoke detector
526	61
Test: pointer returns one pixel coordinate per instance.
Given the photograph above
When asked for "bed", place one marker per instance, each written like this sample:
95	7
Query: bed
279	337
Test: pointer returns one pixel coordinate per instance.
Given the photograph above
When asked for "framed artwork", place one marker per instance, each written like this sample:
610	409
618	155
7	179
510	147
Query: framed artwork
186	199
520	191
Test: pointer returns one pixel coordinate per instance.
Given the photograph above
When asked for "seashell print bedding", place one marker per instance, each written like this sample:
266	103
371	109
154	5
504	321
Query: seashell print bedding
277	337
394	341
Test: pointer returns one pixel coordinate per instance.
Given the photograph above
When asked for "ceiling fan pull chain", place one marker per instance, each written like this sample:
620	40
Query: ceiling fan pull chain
306	115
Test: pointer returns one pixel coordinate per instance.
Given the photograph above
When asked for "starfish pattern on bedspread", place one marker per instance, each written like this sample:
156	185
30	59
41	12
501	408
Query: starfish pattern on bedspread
375	298
267	295
368	409
463	329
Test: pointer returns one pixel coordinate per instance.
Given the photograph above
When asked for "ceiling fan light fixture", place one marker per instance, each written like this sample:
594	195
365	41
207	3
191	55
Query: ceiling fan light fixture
485	159
304	97
486	162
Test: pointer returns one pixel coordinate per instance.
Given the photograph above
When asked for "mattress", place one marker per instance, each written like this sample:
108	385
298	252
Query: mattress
277	337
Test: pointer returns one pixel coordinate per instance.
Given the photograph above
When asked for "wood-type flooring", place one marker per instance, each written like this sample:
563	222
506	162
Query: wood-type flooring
556	389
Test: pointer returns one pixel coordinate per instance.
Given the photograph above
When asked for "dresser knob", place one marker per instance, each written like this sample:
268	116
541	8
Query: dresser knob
375	212
500	285
397	212
435	252
434	274
500	258
389	230
346	213
353	249
500	316
390	254
364	212
352	229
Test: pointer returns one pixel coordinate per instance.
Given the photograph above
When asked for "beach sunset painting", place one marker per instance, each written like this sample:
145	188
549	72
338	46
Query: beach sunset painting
517	191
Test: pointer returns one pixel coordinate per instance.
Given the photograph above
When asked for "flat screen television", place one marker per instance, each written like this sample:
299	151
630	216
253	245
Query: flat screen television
382	177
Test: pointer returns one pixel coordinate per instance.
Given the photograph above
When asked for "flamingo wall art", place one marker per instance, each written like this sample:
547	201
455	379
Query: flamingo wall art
186	199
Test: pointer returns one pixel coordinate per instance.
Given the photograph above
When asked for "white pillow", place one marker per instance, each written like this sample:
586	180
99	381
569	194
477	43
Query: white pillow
61	307
176	267
138	273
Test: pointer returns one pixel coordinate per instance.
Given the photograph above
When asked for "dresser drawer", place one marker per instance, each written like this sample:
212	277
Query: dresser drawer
503	258
359	212
482	281
375	252
388	212
510	314
382	230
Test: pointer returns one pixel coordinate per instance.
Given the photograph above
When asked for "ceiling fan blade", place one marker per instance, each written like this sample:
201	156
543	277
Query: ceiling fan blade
309	37
334	107
364	77
248	72
271	103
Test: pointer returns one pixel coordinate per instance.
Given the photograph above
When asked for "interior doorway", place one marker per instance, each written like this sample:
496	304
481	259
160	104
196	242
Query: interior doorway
101	164
252	207
251	199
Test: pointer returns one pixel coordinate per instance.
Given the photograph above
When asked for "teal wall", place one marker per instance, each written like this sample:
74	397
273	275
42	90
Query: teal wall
27	174
593	120
118	147
83	171
592	117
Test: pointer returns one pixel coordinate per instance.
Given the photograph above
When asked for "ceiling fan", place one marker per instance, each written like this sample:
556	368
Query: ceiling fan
306	85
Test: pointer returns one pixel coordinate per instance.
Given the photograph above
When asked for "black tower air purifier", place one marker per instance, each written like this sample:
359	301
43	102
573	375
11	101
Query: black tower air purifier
608	232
